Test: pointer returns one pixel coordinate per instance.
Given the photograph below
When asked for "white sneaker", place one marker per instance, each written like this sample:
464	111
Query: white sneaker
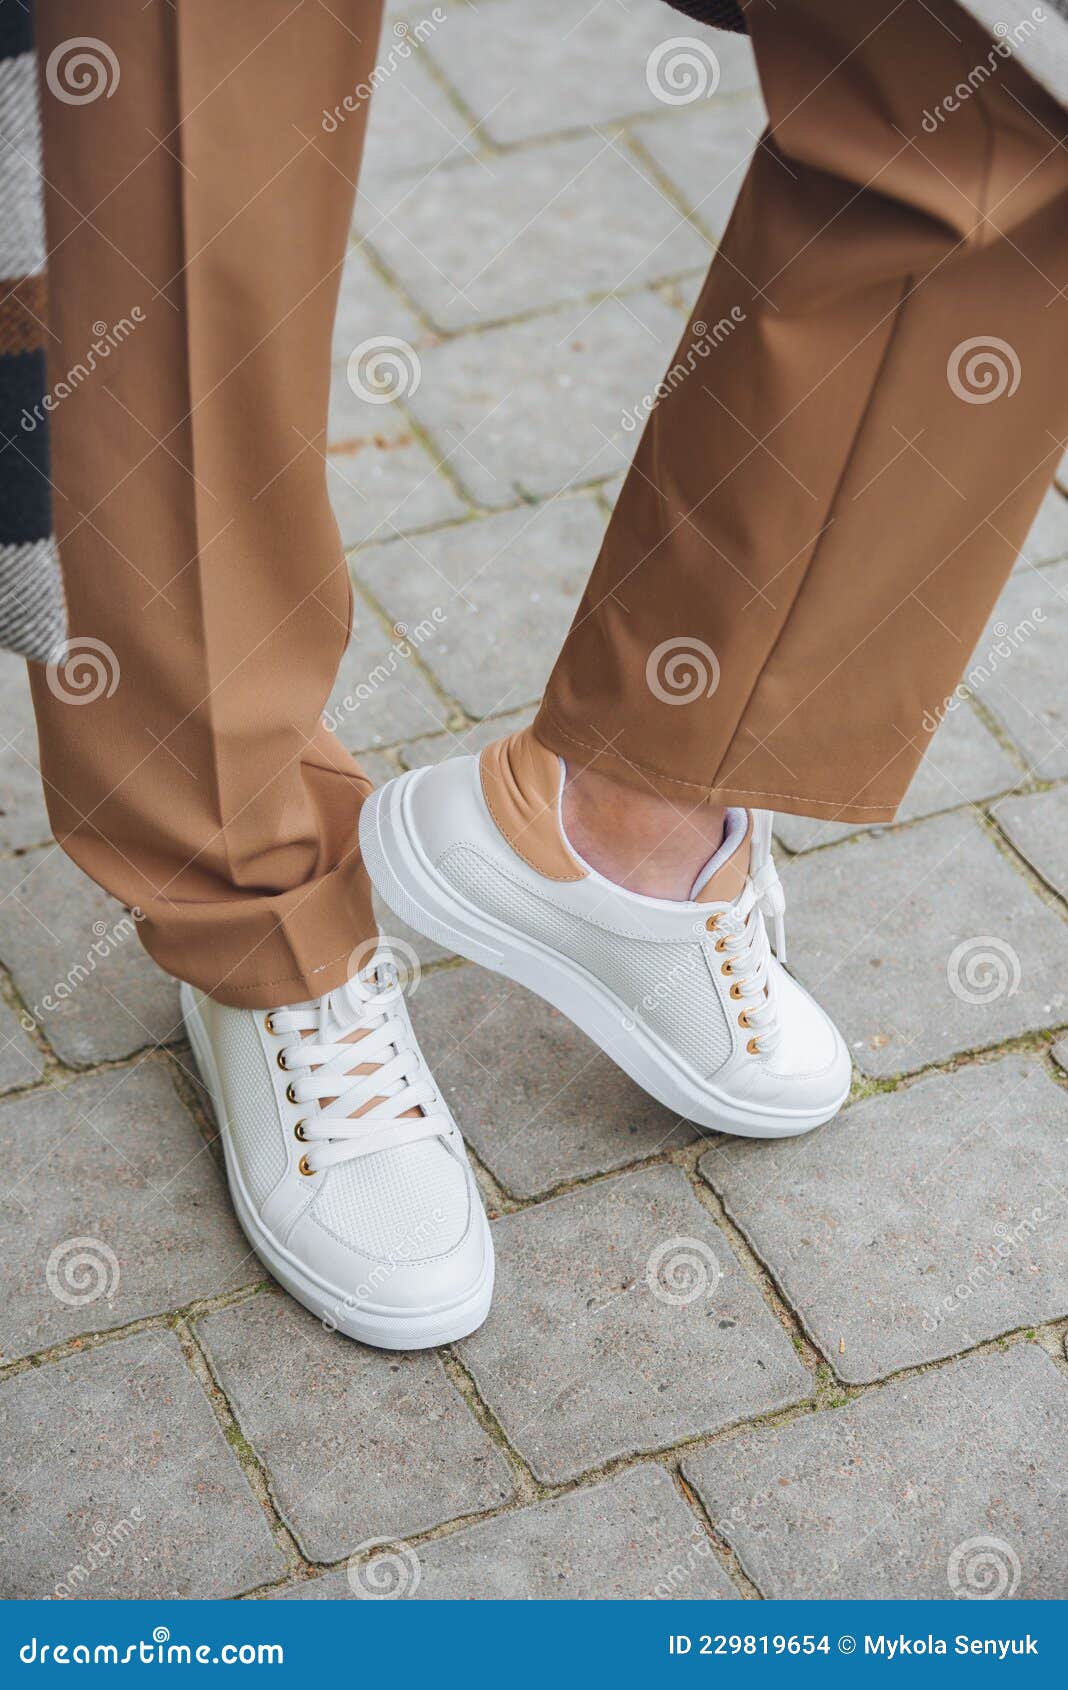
686	997
347	1171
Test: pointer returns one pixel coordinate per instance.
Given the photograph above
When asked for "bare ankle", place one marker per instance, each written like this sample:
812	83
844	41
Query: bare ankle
640	839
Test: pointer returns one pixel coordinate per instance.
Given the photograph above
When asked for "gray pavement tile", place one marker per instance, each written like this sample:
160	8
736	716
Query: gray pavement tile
623	1323
1048	540
1038	826
21	1062
78	963
538	1101
23	818
919	1223
496	596
380	695
465	742
924	943
704	151
631	1538
113	1209
528	409
386	483
358	1443
1060	1054
519	232
528	71
118	1482
1017	669
414	127
368	307
950	1484
964	764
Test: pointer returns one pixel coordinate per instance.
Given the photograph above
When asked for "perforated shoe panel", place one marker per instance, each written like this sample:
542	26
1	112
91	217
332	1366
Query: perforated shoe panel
665	984
409	1204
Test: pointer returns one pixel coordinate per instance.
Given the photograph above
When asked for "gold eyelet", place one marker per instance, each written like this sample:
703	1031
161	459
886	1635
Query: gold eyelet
304	1168
712	923
726	969
269	1024
721	944
753	1047
743	1019
280	1059
298	1132
291	1094
736	990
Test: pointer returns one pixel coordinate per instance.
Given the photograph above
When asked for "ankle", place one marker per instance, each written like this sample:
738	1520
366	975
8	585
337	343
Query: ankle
641	840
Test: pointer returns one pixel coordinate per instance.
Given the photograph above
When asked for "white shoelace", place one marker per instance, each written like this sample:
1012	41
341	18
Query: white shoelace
320	1068
742	939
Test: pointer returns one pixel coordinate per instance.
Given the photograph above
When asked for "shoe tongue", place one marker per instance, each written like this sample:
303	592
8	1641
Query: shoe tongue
724	874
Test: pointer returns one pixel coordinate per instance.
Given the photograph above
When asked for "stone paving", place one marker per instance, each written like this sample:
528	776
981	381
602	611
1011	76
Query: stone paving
714	1367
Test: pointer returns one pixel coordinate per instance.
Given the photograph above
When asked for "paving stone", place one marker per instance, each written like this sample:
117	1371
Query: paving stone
78	963
528	71
414	128
1060	1054
947	1484
924	943
631	1539
386	483
538	1101
368	306
964	764
358	1443
621	1323
113	1209
23	818
1048	539
116	1481
525	410
500	592
1038	826
516	233
1017	670
21	1062
465	742
380	695
704	151
919	1223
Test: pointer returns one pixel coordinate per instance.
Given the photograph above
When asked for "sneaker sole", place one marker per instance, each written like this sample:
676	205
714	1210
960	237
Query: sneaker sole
387	1330
418	895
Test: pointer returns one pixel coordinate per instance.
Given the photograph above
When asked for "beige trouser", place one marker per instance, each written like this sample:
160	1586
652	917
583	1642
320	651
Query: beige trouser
817	501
